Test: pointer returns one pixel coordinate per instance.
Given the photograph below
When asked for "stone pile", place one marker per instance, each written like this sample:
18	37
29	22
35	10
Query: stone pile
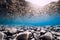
29	33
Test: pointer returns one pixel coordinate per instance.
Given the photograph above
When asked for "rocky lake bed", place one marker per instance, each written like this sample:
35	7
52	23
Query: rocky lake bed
30	33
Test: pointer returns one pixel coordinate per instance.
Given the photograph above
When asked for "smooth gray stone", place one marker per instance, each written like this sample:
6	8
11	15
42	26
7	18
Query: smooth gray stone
2	36
46	36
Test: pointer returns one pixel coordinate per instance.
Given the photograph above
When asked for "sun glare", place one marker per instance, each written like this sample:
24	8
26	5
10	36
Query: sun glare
41	2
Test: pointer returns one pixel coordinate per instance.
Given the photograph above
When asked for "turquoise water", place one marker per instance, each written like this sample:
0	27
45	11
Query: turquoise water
35	21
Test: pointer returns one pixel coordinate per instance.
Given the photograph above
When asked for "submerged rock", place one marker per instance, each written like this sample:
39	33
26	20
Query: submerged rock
25	33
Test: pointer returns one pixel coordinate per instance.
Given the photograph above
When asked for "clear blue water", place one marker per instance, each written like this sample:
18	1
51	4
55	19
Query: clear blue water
35	21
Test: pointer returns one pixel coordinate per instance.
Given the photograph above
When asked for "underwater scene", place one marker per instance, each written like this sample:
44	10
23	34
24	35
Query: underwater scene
29	19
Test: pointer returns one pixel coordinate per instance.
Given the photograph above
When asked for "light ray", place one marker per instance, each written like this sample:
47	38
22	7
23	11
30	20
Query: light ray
41	2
